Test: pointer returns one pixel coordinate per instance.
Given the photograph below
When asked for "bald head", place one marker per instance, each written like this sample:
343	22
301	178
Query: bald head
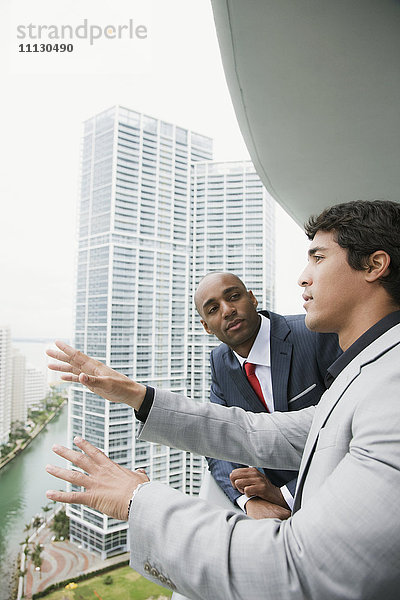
228	310
208	282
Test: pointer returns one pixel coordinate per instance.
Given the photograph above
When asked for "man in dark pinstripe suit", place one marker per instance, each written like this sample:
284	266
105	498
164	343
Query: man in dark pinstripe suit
289	363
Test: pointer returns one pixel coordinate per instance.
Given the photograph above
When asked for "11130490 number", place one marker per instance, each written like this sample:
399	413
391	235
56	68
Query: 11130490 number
45	48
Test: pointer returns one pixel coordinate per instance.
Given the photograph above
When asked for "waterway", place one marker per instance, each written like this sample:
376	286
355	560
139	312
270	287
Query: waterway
23	484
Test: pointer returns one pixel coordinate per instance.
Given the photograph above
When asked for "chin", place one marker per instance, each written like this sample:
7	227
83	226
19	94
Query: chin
317	325
311	323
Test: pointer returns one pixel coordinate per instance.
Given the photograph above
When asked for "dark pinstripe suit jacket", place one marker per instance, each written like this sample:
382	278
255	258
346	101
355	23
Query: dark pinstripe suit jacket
299	360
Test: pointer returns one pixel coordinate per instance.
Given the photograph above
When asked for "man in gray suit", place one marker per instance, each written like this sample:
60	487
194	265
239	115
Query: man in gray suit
343	539
289	363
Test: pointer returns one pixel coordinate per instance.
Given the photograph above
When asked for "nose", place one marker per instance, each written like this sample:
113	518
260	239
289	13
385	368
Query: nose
305	278
227	310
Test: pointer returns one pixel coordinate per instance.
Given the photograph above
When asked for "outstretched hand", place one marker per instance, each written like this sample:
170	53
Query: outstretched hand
108	486
97	377
250	481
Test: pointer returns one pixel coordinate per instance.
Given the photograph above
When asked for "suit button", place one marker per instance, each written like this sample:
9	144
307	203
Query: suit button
170	584
154	572
162	579
147	567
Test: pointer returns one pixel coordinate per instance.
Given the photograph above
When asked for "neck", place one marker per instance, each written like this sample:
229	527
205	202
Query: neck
361	323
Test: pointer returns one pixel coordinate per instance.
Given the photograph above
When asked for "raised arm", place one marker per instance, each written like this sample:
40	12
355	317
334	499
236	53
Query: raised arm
96	376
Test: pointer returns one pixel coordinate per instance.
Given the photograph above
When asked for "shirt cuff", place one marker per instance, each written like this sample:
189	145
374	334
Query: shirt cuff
287	496
241	501
146	405
135	491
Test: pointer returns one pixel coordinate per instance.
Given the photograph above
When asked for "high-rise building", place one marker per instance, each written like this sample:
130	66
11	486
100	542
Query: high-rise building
155	215
234	231
5	384
35	387
132	290
19	407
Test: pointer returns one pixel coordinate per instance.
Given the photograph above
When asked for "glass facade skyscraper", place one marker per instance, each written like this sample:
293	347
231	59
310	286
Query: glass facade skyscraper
132	290
234	231
155	215
5	384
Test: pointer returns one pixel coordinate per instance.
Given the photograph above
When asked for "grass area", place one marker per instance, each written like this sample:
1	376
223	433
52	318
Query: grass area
126	585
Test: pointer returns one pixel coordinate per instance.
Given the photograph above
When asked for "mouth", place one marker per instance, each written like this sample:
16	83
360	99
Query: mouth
234	325
307	299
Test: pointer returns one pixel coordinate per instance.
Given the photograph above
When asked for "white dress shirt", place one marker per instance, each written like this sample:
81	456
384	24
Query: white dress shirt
260	356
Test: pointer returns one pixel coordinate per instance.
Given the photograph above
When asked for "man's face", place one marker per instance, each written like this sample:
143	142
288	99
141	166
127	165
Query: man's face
333	291
228	309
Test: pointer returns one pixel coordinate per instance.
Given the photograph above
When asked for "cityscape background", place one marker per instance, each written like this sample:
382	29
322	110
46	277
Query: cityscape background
125	181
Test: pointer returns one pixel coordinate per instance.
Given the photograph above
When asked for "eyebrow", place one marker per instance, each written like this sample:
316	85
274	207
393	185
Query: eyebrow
226	291
316	249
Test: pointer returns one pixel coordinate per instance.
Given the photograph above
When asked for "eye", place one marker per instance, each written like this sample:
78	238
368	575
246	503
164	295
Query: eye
212	310
235	296
318	258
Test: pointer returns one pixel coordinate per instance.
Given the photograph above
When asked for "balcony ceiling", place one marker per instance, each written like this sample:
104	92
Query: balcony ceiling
316	89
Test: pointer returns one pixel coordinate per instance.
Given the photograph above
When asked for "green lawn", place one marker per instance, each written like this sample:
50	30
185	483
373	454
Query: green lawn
127	585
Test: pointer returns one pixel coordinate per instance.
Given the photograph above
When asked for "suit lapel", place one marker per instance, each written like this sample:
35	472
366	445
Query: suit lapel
332	396
236	373
281	356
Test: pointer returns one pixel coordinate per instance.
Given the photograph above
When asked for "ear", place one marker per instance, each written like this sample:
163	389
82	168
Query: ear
206	327
377	266
253	299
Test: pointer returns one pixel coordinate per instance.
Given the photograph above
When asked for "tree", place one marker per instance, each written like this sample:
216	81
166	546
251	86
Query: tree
26	541
36	555
46	509
37	521
60	525
28	527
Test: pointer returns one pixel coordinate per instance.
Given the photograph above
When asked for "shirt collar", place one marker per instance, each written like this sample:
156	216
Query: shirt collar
372	334
260	351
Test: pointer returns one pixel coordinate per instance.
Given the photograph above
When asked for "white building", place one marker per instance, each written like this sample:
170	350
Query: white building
5	384
234	231
132	290
35	387
155	216
19	407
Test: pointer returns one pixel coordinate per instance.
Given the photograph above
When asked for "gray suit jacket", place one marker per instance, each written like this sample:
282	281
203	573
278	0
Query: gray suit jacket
343	540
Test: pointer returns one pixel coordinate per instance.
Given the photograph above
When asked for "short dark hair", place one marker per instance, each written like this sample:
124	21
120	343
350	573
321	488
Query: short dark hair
363	227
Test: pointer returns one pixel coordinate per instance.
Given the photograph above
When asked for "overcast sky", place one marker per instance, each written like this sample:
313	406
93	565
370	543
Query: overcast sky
175	73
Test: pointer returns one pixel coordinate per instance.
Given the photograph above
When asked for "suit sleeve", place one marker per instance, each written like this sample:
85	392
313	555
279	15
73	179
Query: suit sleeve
221	469
343	543
270	440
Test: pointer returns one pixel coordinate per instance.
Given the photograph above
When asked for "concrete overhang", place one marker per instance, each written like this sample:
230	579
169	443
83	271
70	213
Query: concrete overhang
316	89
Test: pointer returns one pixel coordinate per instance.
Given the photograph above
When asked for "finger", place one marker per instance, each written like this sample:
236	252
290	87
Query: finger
256	490
57	355
65	367
241	483
241	472
68	497
79	459
141	471
74	356
90	380
65	348
248	490
70	377
74	477
95	454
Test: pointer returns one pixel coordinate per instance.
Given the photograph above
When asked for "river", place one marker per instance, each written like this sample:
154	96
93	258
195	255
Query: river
23	483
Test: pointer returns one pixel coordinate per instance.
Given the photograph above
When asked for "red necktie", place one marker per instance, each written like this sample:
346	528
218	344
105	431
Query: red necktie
250	370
